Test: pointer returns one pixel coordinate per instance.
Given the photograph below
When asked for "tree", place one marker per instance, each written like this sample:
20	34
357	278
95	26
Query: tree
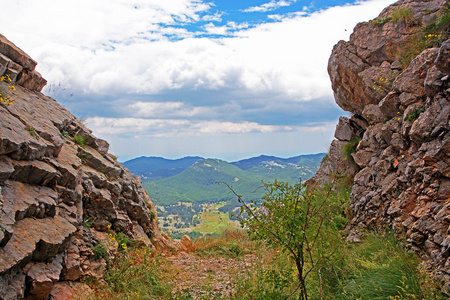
296	218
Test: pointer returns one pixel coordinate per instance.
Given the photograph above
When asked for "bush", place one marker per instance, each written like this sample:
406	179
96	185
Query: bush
414	114
137	275
426	37
100	250
377	268
349	148
80	140
402	14
296	219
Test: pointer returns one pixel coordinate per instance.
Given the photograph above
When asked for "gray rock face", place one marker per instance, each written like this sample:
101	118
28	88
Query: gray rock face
403	180
363	69
50	186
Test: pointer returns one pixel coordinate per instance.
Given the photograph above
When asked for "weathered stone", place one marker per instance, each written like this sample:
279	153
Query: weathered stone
93	159
389	106
70	290
42	277
373	114
50	233
49	186
6	168
344	130
12	284
16	141
10	50
31	80
102	146
432	122
412	79
187	243
34	172
443	59
434	82
23	201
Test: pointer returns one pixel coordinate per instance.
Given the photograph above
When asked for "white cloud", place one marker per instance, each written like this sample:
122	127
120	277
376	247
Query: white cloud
166	109
272	5
136	53
285	58
108	127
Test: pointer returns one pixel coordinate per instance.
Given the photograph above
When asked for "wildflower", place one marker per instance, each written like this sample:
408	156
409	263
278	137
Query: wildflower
12	88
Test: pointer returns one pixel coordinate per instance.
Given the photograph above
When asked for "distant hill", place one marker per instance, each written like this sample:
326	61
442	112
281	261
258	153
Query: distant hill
155	168
285	169
197	183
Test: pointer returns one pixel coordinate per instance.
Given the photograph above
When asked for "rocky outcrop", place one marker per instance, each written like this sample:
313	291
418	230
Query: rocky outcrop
402	163
62	195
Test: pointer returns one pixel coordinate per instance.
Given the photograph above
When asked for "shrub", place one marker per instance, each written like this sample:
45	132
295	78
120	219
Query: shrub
296	219
80	140
349	148
137	275
382	21
377	268
100	250
402	14
432	35
414	114
31	131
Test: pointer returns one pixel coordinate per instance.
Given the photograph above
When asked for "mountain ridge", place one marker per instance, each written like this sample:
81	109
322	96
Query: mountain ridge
156	167
197	183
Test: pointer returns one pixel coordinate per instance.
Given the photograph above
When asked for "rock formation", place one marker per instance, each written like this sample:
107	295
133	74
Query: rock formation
59	199
401	112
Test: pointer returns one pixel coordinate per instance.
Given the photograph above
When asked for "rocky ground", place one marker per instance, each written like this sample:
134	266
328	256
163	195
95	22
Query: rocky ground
208	277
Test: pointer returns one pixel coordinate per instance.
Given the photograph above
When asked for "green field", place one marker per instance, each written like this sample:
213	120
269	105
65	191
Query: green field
214	221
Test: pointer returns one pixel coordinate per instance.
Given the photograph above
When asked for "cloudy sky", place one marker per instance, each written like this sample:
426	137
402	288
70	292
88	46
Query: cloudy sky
227	79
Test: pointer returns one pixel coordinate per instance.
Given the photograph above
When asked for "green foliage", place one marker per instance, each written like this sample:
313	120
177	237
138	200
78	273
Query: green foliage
272	279
31	131
414	114
377	268
100	250
380	22
137	276
65	134
87	223
197	183
299	221
123	241
80	140
348	148
426	37
402	14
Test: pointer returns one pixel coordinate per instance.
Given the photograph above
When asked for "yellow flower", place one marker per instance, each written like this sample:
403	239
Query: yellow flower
12	88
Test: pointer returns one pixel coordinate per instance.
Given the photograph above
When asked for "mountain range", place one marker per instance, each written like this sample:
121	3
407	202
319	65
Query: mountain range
193	179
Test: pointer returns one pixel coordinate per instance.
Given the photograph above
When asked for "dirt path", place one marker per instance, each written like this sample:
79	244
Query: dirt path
208	277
